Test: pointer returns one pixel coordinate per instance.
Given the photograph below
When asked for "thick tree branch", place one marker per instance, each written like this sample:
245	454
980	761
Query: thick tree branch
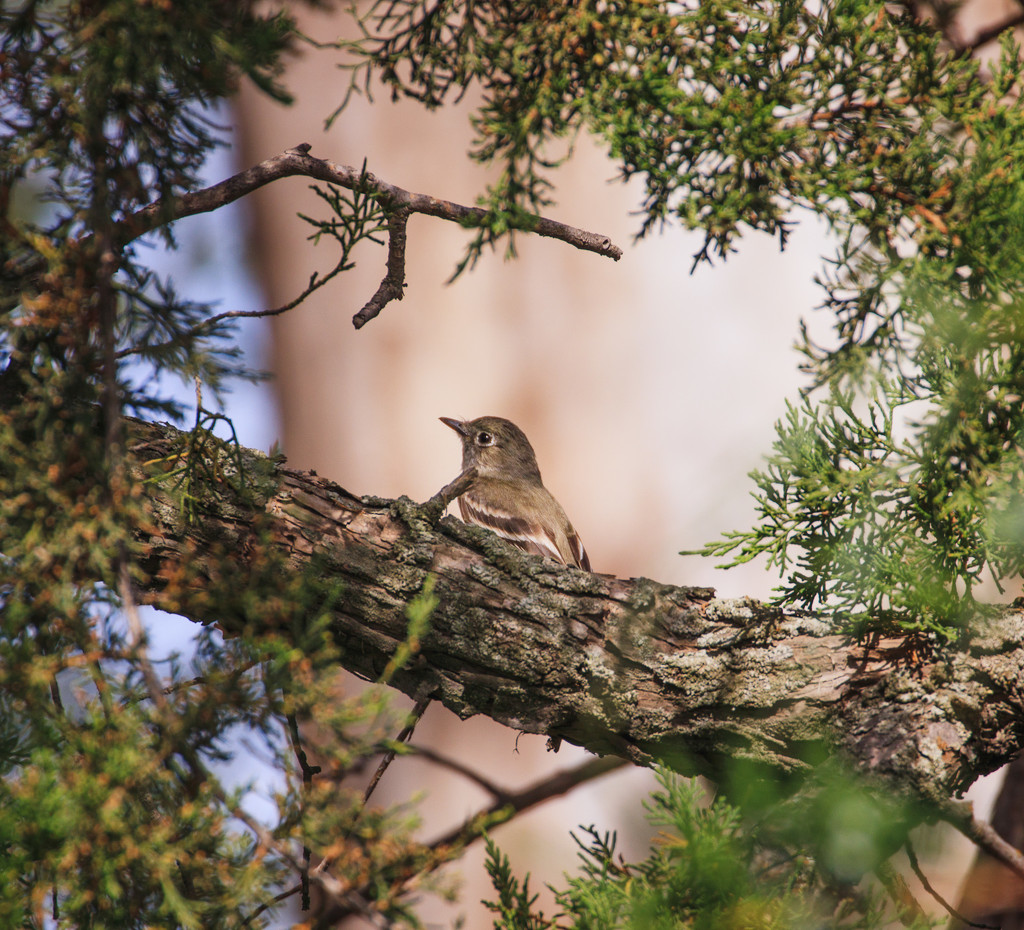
628	667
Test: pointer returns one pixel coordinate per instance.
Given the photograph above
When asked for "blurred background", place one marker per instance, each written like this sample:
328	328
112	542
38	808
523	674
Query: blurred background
649	394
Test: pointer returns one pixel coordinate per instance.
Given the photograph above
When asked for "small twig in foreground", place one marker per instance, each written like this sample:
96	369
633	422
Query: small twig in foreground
404	735
544	790
440	501
949	909
316	281
308	771
513	801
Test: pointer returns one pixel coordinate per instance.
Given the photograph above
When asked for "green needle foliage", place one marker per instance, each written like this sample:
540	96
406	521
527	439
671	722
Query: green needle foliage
708	869
892	491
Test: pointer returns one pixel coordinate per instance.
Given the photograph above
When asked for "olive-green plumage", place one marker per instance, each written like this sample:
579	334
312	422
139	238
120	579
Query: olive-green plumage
507	494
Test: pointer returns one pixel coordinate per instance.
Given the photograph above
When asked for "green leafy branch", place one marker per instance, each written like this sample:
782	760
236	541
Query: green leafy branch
709	866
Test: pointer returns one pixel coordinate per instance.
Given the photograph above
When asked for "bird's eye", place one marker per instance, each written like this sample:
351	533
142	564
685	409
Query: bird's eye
483	438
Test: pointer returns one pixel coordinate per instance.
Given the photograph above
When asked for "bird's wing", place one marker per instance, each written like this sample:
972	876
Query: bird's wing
525	534
579	553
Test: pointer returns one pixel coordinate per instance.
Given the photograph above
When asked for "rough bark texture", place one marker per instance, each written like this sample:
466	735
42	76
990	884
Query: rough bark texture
624	666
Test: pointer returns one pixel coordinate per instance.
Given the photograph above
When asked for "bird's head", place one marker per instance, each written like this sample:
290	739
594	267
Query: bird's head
496	446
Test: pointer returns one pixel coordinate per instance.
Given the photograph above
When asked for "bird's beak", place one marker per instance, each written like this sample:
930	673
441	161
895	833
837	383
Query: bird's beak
456	425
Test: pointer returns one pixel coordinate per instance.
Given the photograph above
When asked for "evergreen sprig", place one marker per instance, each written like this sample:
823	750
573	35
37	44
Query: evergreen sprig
709	866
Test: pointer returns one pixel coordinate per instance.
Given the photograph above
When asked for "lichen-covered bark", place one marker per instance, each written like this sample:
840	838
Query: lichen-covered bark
625	666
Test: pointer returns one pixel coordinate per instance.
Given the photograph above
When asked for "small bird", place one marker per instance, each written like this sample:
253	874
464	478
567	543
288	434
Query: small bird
507	495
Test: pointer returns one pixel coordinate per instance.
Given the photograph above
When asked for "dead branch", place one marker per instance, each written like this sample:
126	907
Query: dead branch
398	202
393	285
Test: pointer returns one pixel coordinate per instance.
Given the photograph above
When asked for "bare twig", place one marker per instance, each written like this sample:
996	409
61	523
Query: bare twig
515	802
58	702
404	736
399	202
334	888
273	902
296	161
440	501
315	283
961	815
495	791
544	790
393	285
922	878
308	771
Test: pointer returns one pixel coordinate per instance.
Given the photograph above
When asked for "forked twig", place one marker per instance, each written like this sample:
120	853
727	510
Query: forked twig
399	203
